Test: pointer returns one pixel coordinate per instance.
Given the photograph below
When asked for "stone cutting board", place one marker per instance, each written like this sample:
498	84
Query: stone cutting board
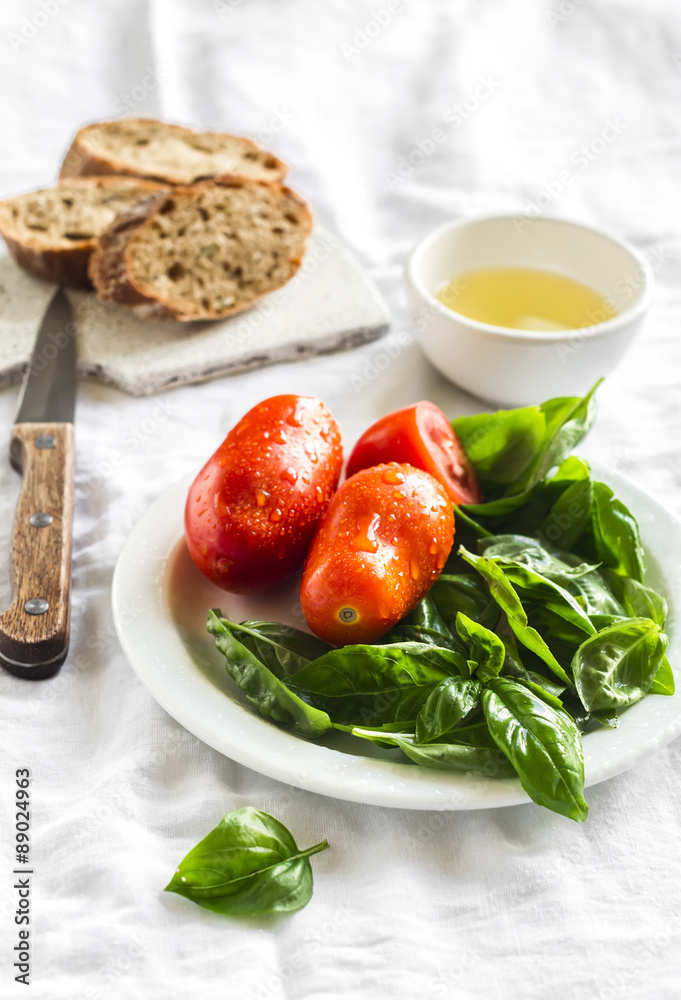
330	305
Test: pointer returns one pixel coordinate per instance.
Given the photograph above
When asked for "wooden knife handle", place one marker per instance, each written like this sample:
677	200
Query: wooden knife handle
34	631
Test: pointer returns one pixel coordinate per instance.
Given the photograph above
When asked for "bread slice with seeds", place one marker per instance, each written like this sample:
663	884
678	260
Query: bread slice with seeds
146	147
52	232
202	252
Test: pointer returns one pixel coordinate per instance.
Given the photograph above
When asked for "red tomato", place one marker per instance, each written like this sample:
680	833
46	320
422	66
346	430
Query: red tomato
380	546
253	509
422	436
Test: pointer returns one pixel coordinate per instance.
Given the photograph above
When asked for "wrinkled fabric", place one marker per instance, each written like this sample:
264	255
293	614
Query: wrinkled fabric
510	903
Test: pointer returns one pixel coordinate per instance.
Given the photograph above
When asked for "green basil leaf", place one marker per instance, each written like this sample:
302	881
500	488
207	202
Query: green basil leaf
543	745
474	529
506	597
543	693
446	705
568	420
514	666
457	757
534	554
637	600
486	649
454	593
569	515
383	735
282	648
466	758
608	718
248	866
262	689
565	637
611	536
532	586
616	667
370	685
663	682
584	581
475	734
571	471
501	445
424	624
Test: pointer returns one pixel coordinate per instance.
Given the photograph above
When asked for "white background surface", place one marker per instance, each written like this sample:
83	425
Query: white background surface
517	903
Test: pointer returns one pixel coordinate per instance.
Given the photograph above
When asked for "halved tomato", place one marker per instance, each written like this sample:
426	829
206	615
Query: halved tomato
419	435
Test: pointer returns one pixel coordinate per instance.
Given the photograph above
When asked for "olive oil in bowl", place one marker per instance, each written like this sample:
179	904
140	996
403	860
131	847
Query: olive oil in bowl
525	298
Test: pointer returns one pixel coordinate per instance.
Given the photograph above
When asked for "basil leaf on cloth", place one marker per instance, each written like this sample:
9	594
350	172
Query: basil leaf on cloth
248	866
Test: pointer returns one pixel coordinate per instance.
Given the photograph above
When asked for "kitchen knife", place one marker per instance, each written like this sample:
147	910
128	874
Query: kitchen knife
34	631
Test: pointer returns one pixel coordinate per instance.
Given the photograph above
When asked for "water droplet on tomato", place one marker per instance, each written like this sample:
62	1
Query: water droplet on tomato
294	420
275	515
393	477
220	504
399	495
432	548
290	475
440	561
279	436
365	539
261	498
414	569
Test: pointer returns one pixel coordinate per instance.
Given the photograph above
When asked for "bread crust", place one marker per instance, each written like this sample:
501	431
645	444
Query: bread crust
82	160
65	266
108	266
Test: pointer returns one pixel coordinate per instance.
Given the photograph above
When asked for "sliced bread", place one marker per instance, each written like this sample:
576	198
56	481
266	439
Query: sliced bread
52	232
202	252
146	147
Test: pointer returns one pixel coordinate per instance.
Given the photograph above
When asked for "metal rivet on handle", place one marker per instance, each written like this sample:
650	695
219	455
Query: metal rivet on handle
40	520
36	606
45	441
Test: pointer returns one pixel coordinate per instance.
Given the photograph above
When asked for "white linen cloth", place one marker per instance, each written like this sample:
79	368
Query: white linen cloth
513	903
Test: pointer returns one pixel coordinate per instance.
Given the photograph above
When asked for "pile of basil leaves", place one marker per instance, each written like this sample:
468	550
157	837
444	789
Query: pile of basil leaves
540	629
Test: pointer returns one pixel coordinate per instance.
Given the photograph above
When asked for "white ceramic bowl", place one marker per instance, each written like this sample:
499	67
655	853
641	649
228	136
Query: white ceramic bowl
515	367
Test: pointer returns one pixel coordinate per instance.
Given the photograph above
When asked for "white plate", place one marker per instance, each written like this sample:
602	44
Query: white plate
160	602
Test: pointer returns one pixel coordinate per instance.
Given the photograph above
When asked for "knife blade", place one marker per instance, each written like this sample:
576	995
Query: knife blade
34	631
